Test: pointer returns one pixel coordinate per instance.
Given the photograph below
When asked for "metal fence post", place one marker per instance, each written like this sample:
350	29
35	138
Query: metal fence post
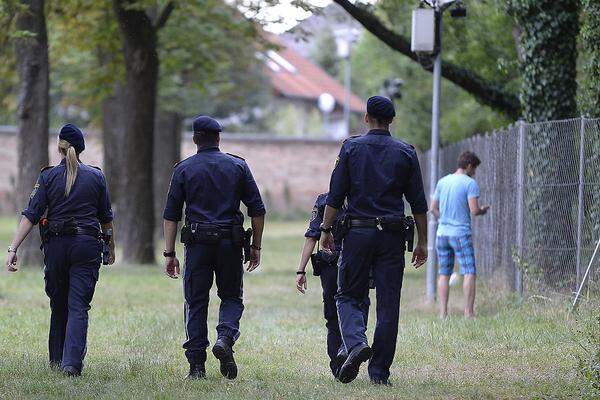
580	199
520	201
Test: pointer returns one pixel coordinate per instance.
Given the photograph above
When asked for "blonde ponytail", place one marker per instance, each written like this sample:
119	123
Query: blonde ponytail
71	162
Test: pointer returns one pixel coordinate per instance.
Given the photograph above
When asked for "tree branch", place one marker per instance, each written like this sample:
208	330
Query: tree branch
164	15
486	92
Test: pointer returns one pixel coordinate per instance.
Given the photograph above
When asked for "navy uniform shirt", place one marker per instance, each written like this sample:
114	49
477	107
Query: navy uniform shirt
316	219
373	172
88	203
212	184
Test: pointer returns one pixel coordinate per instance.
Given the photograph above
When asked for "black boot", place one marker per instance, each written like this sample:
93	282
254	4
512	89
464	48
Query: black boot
339	360
358	355
197	371
71	371
224	353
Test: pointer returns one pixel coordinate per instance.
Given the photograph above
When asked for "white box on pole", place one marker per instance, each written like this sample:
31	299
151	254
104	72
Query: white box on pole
423	30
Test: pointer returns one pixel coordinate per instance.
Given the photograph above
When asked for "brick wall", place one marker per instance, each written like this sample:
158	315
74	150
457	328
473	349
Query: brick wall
290	172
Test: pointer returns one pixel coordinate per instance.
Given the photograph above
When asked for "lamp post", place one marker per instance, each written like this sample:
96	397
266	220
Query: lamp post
427	38
344	39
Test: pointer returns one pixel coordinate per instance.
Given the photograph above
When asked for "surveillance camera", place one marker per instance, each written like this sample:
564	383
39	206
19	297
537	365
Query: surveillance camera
459	11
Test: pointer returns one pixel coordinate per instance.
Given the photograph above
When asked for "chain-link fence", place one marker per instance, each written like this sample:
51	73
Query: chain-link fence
542	182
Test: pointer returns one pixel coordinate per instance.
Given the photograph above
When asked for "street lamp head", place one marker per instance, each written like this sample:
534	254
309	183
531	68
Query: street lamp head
459	11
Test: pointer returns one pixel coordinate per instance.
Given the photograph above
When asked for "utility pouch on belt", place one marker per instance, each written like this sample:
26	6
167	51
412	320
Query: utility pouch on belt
409	232
322	259
50	229
200	234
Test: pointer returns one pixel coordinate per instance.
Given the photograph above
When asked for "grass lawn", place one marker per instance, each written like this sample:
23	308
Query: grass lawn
512	349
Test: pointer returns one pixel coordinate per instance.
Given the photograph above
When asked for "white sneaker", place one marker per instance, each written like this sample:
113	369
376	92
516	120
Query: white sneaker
454	279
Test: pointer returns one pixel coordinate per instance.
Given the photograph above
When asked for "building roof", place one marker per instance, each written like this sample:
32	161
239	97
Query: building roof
295	76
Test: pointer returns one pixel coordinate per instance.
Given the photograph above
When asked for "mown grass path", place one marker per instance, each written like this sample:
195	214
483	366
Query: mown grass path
512	349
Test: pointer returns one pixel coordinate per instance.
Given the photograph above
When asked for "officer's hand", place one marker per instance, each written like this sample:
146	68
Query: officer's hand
111	257
301	283
484	209
419	255
327	242
172	267
11	262
254	259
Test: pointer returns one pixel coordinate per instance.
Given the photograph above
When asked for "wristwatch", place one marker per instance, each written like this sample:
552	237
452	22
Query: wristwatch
325	230
169	253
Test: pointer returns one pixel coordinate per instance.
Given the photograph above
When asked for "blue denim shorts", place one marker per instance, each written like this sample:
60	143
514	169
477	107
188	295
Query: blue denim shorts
459	247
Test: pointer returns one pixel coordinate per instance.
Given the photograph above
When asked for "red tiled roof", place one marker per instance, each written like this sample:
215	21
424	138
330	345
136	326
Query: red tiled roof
307	80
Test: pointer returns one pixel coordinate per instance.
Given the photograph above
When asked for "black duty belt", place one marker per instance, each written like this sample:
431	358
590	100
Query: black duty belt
379	223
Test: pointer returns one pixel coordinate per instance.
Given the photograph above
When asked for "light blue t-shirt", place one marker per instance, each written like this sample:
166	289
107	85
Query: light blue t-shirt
453	193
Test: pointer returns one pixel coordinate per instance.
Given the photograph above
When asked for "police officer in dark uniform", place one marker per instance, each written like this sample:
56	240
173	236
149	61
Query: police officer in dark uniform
79	215
212	184
325	266
373	173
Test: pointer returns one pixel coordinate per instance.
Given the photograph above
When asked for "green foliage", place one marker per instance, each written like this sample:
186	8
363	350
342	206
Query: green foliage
590	40
325	53
589	361
480	41
548	38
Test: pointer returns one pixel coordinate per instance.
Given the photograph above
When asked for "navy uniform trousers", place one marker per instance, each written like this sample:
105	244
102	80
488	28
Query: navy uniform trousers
72	264
384	251
329	284
224	260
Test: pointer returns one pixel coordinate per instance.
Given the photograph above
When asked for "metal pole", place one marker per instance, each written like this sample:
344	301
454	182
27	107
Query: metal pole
434	158
585	276
347	85
580	199
520	204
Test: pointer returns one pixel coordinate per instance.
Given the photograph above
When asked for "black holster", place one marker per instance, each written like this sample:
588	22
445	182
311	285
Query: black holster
322	259
106	237
247	238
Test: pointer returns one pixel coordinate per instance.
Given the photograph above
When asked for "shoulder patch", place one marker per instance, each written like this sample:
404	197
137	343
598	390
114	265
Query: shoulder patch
350	137
236	156
46	167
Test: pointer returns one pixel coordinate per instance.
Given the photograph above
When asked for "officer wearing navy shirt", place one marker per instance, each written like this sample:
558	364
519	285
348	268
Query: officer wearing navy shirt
325	266
212	184
373	173
74	197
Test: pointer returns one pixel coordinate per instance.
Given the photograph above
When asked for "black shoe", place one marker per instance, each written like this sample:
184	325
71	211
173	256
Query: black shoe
339	360
197	371
384	382
358	355
71	371
224	353
55	365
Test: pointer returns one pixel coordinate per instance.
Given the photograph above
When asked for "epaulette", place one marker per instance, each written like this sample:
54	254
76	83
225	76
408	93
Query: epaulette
350	137
46	167
236	156
98	168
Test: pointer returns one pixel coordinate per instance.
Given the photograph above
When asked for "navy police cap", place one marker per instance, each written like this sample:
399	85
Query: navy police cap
380	107
74	136
203	123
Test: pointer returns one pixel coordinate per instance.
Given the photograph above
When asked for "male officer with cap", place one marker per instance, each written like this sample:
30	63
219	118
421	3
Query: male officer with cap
212	184
373	173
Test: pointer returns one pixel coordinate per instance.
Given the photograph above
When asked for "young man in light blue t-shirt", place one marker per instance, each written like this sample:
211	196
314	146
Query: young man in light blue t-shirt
456	198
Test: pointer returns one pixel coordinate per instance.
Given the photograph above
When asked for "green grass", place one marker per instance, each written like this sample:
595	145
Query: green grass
514	348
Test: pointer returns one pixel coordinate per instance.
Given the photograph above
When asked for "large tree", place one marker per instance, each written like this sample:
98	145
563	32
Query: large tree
139	34
31	50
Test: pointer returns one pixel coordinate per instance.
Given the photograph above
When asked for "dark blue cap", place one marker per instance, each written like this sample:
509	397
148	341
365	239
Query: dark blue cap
73	135
203	123
380	107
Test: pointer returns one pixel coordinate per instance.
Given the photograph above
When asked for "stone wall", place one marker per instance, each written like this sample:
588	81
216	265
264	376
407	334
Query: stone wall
290	172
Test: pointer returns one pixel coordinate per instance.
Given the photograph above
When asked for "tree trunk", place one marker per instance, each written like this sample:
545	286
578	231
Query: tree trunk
32	139
141	66
167	151
113	138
